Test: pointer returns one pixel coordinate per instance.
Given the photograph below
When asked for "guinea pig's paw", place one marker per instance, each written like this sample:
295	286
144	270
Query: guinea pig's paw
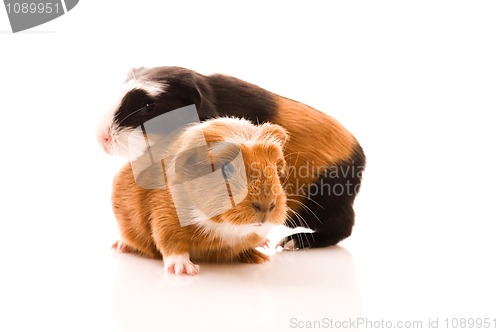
265	244
180	264
122	247
253	256
287	245
290	245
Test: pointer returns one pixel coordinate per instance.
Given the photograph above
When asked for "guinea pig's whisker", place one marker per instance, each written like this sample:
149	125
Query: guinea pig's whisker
308	198
301	238
300	219
288	174
305	207
292	221
134	112
292	153
294	224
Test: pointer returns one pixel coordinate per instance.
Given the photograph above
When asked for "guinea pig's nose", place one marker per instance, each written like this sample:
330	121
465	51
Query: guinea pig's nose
104	139
264	207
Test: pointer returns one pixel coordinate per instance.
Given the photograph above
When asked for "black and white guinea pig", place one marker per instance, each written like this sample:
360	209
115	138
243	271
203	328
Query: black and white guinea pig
325	161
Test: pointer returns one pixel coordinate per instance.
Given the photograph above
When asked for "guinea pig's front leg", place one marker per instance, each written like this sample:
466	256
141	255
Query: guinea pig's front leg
171	240
175	255
174	249
180	264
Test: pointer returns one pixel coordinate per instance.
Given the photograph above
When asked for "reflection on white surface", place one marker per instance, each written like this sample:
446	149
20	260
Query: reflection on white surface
308	284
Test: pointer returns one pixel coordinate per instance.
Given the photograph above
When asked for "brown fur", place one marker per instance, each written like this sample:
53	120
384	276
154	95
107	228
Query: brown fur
148	221
310	130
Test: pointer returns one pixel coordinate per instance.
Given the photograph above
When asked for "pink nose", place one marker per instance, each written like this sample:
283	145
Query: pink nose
105	141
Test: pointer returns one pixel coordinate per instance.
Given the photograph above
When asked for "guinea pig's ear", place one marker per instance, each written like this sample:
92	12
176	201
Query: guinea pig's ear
135	73
274	132
202	96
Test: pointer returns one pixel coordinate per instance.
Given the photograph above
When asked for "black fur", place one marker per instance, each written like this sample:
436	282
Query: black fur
328	210
128	115
238	98
183	87
215	95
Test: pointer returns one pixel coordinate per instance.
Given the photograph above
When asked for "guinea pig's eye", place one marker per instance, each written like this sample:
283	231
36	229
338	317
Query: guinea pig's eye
147	109
227	170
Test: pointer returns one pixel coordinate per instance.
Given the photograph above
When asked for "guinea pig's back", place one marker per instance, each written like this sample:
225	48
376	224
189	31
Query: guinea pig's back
317	136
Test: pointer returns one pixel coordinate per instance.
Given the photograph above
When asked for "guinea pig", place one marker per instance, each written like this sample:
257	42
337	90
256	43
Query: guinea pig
325	161
150	219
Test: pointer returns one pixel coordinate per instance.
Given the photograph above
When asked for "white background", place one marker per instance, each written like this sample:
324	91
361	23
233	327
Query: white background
417	83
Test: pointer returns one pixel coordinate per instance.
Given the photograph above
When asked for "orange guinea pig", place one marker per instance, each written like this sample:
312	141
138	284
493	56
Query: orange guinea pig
183	220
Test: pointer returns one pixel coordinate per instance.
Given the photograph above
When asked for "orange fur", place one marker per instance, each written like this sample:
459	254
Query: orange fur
148	221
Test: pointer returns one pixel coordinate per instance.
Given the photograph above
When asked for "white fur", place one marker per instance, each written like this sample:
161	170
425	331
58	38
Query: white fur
228	231
119	136
180	264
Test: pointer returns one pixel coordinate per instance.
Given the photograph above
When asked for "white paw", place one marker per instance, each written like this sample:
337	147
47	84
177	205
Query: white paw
265	244
290	245
180	264
120	246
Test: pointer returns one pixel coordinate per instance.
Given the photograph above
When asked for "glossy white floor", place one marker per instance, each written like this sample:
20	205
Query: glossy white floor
417	85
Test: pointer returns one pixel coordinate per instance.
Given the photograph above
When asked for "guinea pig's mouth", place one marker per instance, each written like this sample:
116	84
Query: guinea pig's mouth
264	223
